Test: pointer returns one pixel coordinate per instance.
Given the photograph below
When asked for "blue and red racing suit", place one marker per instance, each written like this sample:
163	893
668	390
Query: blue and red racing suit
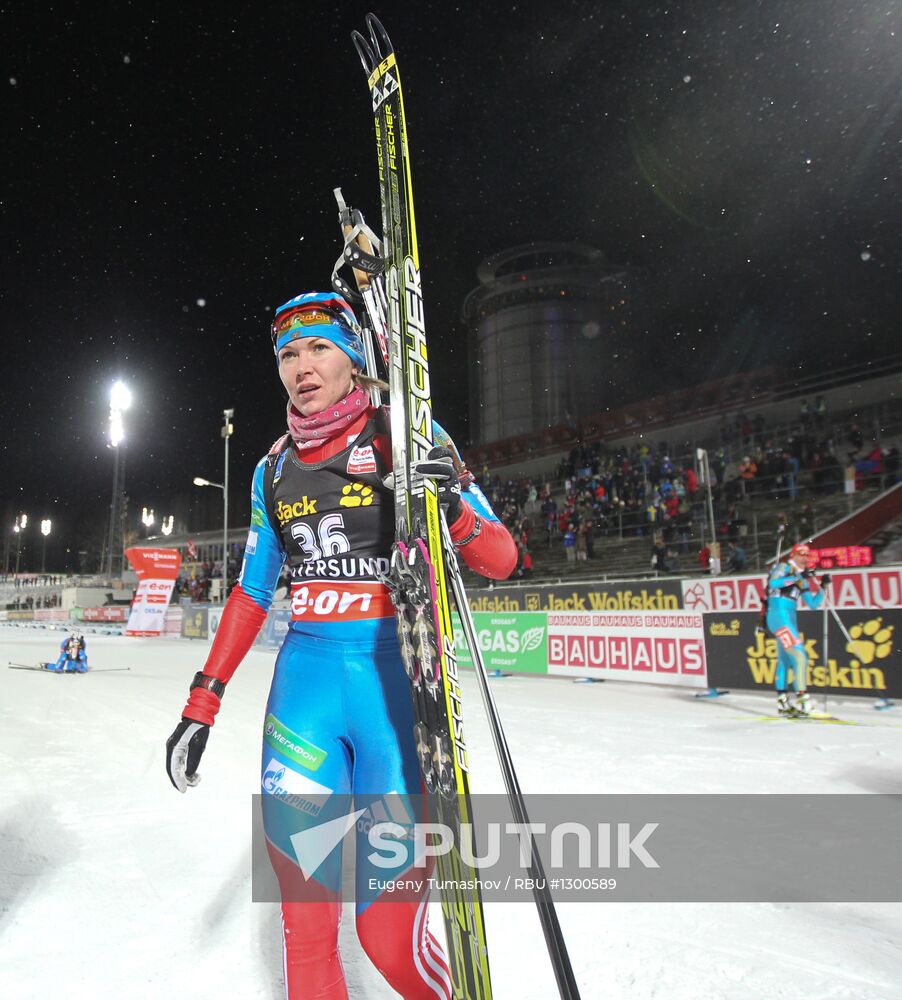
73	657
785	585
339	719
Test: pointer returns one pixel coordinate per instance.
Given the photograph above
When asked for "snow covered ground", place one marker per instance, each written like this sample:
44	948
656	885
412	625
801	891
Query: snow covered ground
112	884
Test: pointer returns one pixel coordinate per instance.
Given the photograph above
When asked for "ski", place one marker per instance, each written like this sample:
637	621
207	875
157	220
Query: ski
46	668
417	578
813	717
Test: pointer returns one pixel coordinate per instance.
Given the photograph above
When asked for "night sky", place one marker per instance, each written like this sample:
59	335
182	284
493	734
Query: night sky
168	173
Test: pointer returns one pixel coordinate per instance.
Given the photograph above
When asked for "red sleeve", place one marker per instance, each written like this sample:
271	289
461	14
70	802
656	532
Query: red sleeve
241	620
492	553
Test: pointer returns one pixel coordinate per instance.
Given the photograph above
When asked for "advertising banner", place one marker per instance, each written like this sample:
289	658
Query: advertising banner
877	588
157	570
661	647
515	642
194	623
51	615
637	595
740	656
214	616
274	628
113	613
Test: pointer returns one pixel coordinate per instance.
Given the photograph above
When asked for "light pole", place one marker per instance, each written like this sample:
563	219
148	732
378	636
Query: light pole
198	481
147	520
167	524
702	455
120	400
228	429
18	528
45	531
6	550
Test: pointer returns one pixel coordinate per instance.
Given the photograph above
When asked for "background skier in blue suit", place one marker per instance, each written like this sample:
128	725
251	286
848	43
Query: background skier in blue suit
786	583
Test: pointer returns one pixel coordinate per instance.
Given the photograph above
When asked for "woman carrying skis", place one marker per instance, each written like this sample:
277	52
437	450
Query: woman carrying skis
339	716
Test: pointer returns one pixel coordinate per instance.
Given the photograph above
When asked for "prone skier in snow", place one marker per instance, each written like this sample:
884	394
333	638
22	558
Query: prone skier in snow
73	656
786	583
339	718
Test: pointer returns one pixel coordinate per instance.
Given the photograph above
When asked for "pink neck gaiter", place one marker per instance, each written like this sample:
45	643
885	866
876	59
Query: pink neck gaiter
315	430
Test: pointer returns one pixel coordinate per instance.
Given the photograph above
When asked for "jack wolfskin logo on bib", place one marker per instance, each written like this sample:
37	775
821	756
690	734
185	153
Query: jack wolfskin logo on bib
362	460
300	508
356	495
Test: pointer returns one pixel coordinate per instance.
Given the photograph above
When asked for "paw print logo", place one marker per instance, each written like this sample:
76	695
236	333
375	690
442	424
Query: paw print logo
356	495
871	640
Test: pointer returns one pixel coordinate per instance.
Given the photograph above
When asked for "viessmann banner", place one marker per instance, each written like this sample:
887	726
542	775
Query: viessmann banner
157	570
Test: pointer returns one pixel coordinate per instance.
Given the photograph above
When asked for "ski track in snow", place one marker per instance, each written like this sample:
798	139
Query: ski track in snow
111	883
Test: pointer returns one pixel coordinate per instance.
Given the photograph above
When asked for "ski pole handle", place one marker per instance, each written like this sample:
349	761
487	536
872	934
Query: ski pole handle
361	250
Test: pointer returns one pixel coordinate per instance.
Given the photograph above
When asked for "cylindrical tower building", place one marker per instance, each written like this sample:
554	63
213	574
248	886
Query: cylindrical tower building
548	338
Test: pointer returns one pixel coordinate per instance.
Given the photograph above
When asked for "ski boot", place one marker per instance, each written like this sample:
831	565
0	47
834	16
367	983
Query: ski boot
436	763
783	706
804	704
411	584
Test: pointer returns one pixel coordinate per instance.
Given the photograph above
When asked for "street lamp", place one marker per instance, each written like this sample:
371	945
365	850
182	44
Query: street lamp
18	528
702	456
147	519
198	481
167	524
120	401
45	531
228	429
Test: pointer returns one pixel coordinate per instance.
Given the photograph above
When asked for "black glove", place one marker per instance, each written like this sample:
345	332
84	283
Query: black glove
806	573
184	750
825	580
439	465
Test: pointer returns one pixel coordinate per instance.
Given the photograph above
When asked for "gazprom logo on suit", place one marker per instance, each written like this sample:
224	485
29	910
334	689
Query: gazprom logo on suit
293	788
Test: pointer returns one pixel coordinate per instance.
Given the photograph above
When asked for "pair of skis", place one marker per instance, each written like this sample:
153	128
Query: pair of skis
46	668
424	570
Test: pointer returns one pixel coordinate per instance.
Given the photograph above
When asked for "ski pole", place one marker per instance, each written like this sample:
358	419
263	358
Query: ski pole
780	529
825	649
842	627
551	928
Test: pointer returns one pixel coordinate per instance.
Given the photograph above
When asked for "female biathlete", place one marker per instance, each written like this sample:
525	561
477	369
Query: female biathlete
339	717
